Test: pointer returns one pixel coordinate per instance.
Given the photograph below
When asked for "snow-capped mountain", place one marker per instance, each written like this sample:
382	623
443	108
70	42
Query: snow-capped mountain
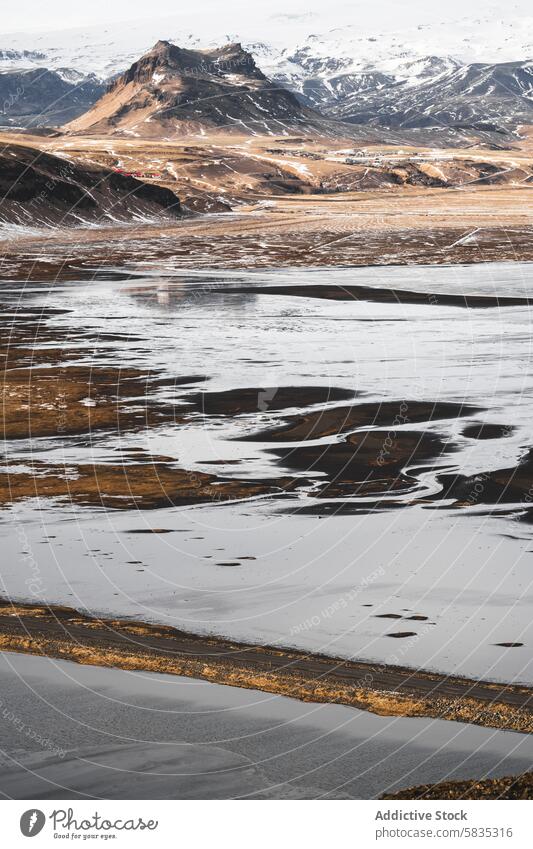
13	58
464	41
38	97
171	90
480	96
470	74
109	49
469	71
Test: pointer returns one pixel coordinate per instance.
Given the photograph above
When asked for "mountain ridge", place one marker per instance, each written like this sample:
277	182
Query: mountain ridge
172	90
38	96
344	72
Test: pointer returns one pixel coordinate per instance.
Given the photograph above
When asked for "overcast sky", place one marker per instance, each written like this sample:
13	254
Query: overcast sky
265	18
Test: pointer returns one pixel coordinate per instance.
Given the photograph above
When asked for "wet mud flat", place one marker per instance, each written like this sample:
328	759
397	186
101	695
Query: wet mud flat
255	399
499	486
61	381
53	388
66	633
364	463
334	421
127	485
45	393
136	393
62	384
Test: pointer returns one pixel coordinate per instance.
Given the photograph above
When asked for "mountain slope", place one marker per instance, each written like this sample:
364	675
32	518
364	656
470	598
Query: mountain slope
40	188
172	91
39	97
355	72
480	96
349	49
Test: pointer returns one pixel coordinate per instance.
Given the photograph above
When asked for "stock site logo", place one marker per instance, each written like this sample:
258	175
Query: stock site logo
32	822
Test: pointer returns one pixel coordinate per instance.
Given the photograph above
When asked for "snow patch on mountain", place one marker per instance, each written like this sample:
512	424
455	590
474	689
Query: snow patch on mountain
110	49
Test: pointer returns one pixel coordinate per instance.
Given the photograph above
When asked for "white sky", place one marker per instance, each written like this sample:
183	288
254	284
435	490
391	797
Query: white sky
259	20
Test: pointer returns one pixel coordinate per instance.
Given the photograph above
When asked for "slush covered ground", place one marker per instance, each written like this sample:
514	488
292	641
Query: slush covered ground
341	465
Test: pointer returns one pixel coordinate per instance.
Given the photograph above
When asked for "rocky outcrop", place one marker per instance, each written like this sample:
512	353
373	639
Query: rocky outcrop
171	91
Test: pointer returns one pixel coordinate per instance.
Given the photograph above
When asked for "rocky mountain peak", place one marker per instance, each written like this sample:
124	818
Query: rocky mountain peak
164	57
171	89
169	59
